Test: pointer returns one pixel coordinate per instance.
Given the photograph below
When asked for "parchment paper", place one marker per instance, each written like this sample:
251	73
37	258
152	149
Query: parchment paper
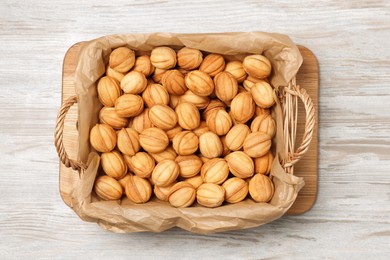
157	216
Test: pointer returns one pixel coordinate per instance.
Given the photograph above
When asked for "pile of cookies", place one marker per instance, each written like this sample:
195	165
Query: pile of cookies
185	126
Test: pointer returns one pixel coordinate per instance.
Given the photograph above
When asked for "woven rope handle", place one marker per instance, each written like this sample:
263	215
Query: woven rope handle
58	135
294	157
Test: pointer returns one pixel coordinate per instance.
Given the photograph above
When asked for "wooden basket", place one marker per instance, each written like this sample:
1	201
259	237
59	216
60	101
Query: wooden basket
289	97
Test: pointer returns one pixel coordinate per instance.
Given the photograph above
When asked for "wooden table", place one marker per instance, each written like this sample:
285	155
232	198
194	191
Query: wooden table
352	214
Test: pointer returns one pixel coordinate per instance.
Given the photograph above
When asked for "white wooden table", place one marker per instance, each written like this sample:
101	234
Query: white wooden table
351	217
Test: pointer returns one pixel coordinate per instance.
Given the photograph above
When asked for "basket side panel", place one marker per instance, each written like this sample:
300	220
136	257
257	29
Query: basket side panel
307	167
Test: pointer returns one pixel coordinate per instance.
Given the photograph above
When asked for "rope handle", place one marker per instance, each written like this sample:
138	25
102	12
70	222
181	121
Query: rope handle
58	136
294	156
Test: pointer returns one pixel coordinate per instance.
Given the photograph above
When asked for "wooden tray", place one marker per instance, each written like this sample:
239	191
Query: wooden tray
307	78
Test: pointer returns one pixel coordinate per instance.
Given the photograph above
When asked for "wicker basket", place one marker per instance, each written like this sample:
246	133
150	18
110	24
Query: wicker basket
289	97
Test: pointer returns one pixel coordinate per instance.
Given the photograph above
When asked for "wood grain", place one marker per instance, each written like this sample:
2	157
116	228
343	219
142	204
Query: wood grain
307	167
351	217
